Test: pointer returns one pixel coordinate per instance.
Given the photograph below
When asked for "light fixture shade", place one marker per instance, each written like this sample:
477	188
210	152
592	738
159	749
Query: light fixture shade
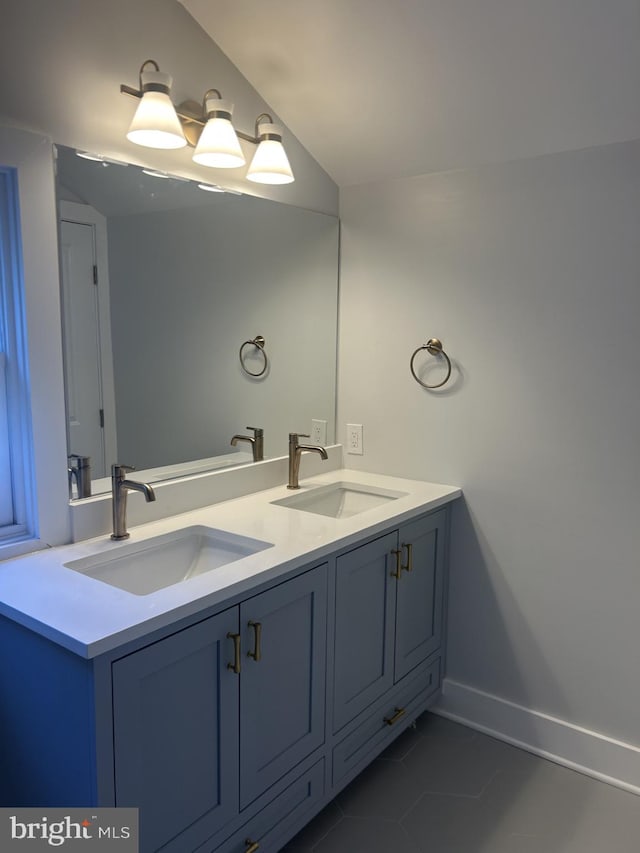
155	123
270	164
218	145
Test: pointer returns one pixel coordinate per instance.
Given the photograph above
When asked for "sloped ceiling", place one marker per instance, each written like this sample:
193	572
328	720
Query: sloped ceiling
387	88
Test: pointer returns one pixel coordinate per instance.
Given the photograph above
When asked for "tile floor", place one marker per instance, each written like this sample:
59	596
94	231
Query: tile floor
443	788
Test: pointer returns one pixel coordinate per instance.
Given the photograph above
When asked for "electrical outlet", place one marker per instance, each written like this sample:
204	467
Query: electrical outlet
319	432
354	439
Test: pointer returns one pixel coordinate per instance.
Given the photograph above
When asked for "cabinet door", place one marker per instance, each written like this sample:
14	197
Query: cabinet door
176	734
365	611
419	592
282	684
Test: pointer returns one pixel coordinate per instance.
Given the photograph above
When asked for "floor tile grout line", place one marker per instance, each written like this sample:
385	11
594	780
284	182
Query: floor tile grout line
340	819
411	748
486	810
409	838
370	817
420	798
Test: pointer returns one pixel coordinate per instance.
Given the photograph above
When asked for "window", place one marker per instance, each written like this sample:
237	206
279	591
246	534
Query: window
34	485
17	517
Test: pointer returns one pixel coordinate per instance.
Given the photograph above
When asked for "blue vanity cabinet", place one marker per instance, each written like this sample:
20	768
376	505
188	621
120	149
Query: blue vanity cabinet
419	592
232	729
389	603
365	593
175	725
210	718
282	683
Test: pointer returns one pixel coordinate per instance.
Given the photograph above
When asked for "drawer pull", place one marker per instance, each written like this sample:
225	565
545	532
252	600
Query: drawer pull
252	846
409	566
399	712
398	571
256	654
235	666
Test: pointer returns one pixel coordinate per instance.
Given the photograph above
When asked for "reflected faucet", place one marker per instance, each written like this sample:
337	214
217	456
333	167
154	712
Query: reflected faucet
295	452
120	486
79	469
256	441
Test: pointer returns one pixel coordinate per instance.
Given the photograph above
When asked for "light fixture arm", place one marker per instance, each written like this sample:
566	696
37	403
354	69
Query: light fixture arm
149	87
207	94
256	139
143	68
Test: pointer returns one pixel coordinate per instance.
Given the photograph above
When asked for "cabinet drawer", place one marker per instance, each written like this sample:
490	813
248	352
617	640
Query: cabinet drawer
271	828
374	733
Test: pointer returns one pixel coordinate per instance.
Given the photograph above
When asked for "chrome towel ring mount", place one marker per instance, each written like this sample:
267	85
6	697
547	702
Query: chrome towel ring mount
258	342
434	347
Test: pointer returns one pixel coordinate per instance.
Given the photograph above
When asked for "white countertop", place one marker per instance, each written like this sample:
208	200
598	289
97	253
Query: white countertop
89	617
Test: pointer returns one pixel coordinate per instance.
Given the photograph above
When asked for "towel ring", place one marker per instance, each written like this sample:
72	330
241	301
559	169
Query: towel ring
258	342
434	347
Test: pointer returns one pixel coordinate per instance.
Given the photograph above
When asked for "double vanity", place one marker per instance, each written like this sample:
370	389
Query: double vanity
230	669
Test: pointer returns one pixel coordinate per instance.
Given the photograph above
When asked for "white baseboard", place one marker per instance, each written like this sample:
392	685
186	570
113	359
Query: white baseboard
586	751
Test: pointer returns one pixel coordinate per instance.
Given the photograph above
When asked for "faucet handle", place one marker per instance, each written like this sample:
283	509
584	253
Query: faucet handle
121	470
294	437
257	431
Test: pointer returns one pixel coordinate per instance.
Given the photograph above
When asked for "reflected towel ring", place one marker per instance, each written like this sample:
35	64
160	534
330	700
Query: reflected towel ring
434	347
258	342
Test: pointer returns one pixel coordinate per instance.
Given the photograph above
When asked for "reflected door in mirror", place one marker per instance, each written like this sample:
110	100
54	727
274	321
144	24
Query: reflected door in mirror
81	339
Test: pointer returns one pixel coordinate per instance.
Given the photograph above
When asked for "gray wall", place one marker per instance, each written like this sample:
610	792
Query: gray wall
62	63
529	273
188	287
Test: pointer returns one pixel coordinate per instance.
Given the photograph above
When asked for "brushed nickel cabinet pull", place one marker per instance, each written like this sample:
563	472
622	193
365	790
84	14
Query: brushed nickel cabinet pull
399	712
256	654
252	846
409	566
398	571
235	666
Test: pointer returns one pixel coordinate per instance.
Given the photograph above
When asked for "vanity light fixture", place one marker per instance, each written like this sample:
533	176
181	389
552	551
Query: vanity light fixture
206	127
270	164
218	145
155	123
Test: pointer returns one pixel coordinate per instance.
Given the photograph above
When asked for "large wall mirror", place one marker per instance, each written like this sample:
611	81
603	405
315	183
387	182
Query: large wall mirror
163	283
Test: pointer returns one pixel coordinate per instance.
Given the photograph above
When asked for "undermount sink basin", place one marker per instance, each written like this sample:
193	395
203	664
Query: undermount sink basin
340	500
145	567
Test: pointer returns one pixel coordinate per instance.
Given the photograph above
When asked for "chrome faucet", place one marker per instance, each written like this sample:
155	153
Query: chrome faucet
295	452
119	488
256	441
